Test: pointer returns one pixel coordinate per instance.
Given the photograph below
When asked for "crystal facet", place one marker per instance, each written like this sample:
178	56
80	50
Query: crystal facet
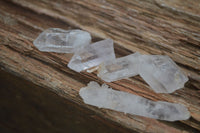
161	73
92	55
62	41
105	97
120	68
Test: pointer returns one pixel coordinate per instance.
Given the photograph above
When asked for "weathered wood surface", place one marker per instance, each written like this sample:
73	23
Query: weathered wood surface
28	108
170	27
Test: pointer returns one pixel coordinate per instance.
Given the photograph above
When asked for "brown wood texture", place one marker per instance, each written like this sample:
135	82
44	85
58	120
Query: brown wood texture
28	108
170	27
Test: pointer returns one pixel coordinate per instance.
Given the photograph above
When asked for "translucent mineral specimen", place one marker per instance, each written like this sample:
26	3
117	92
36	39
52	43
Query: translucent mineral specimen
92	55
120	68
62	41
161	73
104	97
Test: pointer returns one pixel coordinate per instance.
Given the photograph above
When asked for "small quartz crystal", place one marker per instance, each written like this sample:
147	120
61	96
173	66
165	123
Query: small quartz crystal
105	97
120	68
62	41
161	73
92	55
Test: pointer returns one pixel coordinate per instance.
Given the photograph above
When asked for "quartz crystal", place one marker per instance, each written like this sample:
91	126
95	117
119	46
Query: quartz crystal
161	73
92	55
62	41
120	68
105	97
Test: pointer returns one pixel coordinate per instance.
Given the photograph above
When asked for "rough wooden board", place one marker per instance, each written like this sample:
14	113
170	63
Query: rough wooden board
28	108
146	26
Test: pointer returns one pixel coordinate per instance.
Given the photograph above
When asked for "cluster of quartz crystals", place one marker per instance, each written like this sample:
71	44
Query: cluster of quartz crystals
159	71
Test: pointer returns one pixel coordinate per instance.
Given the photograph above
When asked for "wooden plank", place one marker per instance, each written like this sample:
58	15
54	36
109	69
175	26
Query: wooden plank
28	108
153	27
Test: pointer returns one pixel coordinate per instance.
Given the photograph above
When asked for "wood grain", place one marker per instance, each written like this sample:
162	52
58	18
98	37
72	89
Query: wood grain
28	108
149	26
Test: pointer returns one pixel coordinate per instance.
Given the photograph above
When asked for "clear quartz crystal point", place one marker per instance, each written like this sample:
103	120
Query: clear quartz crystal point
62	41
105	97
161	73
92	55
119	68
